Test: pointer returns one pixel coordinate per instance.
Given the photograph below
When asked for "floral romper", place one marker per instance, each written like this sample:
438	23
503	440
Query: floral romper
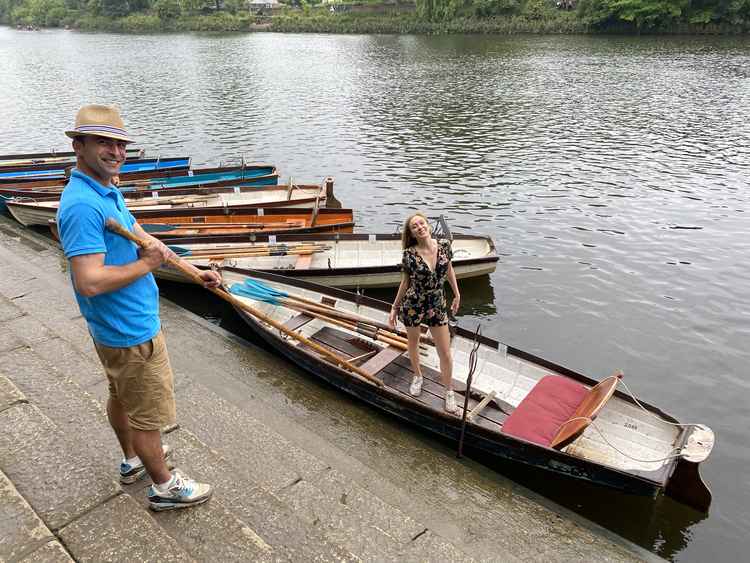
424	301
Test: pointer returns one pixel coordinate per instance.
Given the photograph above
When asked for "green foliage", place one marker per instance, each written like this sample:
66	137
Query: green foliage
168	9
141	23
440	10
430	16
538	10
489	8
642	14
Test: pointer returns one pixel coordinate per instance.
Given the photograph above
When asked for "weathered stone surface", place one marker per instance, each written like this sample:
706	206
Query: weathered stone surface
9	393
290	538
70	362
72	409
28	329
120	530
211	532
52	552
47	468
10	342
21	530
8	310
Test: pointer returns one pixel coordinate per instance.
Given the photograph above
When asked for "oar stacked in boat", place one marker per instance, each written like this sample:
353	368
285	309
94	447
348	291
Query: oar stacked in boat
373	329
216	255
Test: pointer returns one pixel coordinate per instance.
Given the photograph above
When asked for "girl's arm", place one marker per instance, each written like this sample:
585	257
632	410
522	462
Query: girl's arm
454	286
399	297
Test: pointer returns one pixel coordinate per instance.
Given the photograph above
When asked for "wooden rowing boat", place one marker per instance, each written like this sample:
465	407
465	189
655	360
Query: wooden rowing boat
163	178
217	179
538	413
28	211
34	158
345	260
57	169
244	220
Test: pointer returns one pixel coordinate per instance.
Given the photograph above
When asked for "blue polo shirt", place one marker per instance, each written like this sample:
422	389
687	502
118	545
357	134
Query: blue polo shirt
124	317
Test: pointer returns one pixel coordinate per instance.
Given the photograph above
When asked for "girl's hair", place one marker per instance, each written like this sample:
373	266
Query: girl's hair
407	238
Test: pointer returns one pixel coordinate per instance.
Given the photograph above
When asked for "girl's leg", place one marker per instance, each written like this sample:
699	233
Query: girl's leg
412	333
442	338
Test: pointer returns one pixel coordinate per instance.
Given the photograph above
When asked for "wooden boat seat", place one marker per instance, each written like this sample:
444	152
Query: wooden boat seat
557	410
381	360
297	321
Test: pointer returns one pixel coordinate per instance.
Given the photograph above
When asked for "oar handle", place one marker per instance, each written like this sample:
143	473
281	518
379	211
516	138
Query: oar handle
194	273
185	267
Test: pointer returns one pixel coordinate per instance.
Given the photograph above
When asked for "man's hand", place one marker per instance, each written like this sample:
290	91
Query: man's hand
155	253
210	278
152	254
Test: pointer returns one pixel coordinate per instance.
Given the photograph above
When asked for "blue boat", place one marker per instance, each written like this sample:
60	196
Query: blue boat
142	165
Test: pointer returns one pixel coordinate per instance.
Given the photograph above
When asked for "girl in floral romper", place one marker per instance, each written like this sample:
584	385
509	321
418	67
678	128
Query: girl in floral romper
420	300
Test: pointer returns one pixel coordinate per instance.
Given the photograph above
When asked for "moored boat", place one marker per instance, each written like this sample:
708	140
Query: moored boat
340	260
31	211
520	407
244	220
57	169
34	158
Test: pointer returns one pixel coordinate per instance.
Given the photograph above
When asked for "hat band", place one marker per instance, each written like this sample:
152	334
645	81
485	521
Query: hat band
106	128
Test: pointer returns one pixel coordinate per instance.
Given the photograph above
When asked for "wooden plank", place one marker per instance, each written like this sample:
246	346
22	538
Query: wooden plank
381	359
342	341
295	322
399	372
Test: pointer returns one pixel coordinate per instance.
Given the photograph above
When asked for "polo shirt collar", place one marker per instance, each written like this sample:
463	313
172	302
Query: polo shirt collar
103	191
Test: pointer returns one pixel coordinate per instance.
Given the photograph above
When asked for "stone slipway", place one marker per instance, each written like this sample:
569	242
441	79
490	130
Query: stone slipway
301	471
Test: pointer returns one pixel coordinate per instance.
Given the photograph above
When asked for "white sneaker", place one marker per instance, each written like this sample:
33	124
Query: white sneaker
416	386
450	402
183	493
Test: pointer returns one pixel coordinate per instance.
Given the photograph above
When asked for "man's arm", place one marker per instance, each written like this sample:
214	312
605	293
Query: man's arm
91	277
209	277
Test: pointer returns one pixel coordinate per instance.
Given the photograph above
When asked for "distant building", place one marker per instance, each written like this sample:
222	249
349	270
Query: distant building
255	5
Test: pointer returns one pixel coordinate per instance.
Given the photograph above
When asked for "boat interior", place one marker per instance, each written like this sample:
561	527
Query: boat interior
622	435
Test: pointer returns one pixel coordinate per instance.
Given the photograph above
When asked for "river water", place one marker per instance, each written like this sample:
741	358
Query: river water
610	171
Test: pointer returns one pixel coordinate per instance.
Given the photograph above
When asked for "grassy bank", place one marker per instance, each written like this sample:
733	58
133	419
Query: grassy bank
545	21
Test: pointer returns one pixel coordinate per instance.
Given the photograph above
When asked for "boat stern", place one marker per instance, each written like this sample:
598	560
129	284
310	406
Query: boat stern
686	485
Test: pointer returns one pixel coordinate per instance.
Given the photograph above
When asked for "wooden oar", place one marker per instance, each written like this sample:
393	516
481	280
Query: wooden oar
194	274
245	249
259	290
358	318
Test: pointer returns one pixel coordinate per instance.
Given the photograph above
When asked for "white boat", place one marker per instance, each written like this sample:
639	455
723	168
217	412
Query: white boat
339	260
28	211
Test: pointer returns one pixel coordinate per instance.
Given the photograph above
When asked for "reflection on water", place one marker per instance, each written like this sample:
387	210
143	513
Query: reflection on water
610	172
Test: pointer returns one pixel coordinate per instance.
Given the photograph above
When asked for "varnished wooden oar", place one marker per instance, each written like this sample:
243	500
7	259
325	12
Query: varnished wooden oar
194	274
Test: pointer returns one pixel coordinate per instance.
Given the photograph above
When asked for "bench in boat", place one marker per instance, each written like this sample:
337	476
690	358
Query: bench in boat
393	367
558	409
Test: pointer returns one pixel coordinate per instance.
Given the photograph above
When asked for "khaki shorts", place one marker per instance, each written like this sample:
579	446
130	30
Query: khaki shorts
140	378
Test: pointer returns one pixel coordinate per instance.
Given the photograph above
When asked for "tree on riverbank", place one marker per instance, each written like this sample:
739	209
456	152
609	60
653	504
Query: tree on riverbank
430	16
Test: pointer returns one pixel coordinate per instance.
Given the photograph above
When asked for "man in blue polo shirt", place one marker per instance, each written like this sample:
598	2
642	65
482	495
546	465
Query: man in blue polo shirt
119	299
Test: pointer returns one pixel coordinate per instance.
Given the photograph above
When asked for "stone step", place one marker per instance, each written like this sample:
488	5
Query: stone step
273	527
317	492
48	468
65	402
24	535
120	530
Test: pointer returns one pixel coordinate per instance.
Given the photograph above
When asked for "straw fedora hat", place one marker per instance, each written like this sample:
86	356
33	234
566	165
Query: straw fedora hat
102	121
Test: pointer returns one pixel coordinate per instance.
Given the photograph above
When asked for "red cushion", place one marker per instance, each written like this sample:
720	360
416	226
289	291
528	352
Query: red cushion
551	402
